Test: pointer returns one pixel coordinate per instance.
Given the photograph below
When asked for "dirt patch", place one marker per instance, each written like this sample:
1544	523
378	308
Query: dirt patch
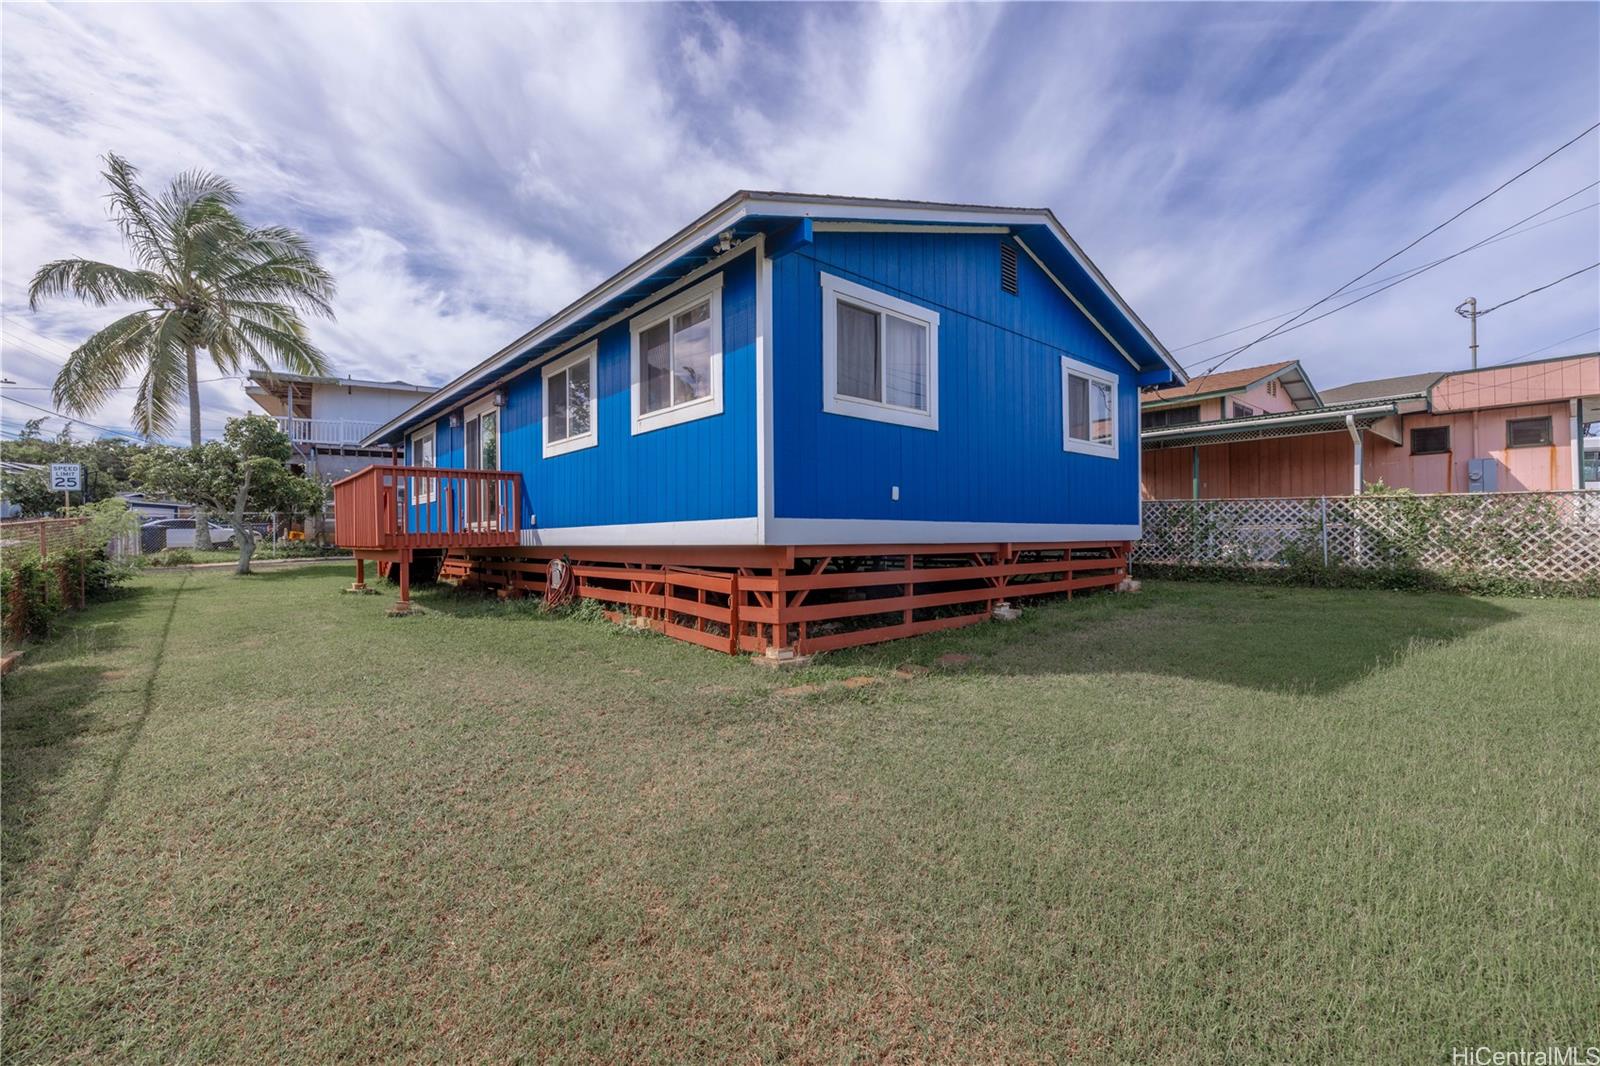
861	682
955	658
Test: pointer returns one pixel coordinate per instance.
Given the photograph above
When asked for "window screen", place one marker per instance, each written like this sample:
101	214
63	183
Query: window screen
1430	440
1527	432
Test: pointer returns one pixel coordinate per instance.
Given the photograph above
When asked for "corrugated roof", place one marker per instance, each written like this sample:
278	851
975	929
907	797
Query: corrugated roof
1383	388
1209	385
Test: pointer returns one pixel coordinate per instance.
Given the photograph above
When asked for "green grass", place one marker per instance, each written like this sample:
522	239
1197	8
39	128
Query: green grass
250	819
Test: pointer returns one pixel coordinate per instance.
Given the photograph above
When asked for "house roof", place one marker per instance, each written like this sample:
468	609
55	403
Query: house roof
1402	387
780	216
1295	384
267	378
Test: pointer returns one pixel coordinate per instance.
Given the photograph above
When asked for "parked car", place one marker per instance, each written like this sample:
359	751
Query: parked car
179	532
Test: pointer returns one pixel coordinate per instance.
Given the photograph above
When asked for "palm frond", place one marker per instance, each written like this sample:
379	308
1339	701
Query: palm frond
92	282
136	215
166	378
291	349
299	280
96	368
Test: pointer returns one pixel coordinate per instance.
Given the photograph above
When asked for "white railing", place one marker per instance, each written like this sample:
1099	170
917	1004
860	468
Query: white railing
1541	536
326	430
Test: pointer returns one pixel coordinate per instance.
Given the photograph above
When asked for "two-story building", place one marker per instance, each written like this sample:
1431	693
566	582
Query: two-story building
328	418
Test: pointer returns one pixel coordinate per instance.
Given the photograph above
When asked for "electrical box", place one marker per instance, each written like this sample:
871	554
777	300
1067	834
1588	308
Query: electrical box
1483	475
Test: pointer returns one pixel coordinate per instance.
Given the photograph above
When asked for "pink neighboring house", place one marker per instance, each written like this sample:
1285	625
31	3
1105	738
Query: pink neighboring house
1531	426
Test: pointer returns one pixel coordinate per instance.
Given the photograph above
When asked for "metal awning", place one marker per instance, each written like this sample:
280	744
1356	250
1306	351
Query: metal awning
1379	418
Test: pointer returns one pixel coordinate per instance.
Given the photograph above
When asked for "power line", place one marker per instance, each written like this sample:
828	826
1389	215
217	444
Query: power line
81	422
1276	330
1403	275
1541	288
1546	348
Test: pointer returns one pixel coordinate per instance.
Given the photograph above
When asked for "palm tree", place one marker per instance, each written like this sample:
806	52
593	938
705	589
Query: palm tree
209	282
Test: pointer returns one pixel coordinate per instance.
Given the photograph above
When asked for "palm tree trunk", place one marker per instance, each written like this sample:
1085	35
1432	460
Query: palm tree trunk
202	520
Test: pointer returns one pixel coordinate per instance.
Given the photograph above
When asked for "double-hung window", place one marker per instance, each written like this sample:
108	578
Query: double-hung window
1088	409
880	356
569	409
424	445
677	358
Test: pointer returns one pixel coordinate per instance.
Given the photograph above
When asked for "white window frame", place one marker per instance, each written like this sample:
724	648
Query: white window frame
427	494
588	353
836	288
709	290
1073	368
473	411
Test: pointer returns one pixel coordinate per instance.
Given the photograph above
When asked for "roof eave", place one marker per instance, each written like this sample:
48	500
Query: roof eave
746	204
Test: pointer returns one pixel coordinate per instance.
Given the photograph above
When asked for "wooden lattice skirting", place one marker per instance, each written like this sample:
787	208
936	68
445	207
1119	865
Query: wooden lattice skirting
810	599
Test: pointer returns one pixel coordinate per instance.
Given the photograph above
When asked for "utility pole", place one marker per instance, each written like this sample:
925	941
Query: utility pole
1468	309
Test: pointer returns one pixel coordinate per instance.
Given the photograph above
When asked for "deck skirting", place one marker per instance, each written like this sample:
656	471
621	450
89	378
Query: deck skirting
808	598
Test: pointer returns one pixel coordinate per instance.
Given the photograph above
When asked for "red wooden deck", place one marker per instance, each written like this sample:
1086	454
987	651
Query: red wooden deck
386	508
812	598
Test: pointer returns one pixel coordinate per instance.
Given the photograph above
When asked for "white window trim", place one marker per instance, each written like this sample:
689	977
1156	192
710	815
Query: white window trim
588	353
1105	377
427	494
706	406
833	288
473	411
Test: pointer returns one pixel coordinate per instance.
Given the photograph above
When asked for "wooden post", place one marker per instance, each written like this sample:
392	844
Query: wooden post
402	607
361	573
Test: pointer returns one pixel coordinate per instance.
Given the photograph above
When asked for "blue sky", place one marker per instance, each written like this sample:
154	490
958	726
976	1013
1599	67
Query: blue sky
466	170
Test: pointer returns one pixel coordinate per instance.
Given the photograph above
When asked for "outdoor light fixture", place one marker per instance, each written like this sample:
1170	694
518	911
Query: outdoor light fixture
499	397
724	242
455	419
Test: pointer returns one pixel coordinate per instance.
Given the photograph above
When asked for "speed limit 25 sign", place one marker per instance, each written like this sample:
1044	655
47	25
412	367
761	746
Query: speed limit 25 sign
66	477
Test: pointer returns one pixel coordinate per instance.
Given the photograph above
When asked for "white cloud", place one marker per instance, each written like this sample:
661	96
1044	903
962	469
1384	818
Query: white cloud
467	170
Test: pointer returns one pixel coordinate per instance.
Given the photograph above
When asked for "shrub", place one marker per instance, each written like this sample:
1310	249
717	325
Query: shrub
173	557
30	599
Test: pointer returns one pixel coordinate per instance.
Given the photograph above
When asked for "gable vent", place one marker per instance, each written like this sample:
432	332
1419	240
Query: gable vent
1008	267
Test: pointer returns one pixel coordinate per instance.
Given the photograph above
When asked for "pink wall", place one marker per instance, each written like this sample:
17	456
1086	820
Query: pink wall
1509	385
1267	398
1321	464
1542	467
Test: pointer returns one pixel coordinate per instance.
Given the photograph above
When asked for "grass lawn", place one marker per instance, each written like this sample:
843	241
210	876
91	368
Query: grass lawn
250	819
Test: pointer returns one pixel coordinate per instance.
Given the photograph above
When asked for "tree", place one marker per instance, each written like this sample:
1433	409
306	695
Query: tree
30	491
247	470
209	283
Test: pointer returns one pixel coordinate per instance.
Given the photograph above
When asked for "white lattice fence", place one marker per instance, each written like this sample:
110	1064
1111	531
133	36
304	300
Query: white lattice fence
1535	536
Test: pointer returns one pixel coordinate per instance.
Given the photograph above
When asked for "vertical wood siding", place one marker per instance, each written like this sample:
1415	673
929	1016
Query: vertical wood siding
997	454
704	469
1321	464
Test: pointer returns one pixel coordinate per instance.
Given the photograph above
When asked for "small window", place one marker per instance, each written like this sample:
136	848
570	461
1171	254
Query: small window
677	358
1088	409
1430	440
569	416
880	356
1527	432
424	452
1008	267
1243	410
1172	416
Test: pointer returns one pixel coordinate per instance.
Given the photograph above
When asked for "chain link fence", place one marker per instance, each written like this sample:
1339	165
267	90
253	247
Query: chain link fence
1542	537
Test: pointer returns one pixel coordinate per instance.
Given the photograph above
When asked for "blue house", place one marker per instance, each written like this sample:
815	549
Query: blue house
790	391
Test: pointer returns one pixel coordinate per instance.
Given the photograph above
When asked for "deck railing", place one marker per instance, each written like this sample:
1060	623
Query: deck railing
326	430
387	507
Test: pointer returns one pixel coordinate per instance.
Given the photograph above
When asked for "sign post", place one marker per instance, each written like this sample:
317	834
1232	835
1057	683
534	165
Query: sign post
68	477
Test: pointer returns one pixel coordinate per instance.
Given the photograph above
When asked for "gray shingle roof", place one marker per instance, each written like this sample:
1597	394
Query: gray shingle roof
1383	388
